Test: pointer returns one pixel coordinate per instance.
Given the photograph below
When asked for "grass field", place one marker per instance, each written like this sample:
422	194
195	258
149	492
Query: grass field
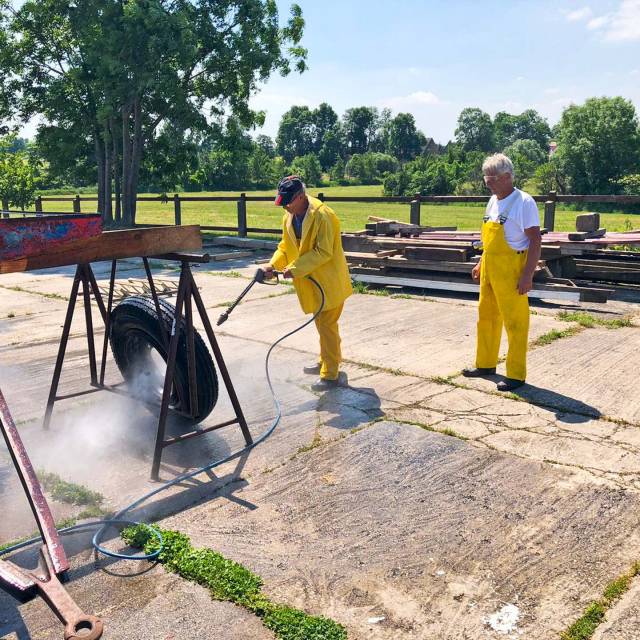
353	215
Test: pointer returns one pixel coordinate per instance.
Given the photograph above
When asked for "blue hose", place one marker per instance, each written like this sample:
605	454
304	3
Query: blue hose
118	519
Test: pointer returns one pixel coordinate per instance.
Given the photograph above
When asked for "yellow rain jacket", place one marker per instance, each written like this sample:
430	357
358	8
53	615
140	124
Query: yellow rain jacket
318	253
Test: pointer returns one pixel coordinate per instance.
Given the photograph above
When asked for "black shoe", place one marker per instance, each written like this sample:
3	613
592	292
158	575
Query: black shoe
478	372
324	384
509	384
313	369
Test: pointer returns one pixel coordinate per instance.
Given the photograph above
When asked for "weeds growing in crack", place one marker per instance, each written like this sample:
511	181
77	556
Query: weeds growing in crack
230	581
594	614
553	335
589	321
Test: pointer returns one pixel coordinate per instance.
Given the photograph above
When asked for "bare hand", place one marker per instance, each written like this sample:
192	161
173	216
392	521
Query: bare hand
287	274
525	284
475	273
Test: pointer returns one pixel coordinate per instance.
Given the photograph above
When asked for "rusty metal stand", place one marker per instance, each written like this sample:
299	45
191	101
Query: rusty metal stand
53	559
187	295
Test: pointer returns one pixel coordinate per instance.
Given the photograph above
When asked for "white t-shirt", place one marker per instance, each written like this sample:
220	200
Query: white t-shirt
522	214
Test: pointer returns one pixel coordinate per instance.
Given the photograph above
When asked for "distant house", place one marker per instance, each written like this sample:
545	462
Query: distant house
432	148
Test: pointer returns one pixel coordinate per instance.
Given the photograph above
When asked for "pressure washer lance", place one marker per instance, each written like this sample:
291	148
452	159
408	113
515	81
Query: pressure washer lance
260	277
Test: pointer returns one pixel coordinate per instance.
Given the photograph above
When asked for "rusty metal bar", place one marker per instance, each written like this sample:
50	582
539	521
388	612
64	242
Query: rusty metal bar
222	366
191	348
32	489
168	380
91	344
62	349
107	320
199	432
156	303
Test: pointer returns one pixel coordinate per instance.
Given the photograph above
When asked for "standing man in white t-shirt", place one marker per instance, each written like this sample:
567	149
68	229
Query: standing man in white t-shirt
511	242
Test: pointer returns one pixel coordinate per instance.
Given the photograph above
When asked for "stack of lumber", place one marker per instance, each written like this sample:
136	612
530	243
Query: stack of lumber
392	253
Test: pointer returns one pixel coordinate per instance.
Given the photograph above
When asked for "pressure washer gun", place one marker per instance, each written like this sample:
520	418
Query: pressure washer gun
260	277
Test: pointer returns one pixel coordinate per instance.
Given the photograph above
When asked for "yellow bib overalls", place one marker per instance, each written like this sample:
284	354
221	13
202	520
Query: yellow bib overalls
500	302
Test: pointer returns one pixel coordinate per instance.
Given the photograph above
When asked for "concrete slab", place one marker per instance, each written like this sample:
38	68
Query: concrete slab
338	525
429	533
592	372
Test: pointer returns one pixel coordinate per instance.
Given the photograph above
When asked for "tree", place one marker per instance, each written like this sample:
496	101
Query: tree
295	133
308	168
360	126
266	144
261	169
529	125
403	139
119	69
370	168
475	130
336	173
325	120
598	143
527	156
16	176
332	147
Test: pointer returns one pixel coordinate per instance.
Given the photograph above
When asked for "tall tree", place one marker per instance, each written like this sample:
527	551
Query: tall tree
475	130
404	141
119	69
360	126
598	143
529	125
325	119
295	133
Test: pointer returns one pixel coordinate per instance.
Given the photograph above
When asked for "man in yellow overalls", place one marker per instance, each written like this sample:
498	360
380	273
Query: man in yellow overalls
510	252
311	246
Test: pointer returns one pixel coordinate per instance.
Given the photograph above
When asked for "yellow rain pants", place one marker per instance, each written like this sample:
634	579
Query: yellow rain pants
500	303
330	354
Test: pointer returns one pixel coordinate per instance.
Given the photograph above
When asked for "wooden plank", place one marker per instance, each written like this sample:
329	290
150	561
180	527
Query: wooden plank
436	253
545	291
110	245
231	255
30	236
586	235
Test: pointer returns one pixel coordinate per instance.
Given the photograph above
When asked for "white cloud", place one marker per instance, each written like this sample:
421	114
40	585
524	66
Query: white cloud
598	23
634	72
624	24
620	25
415	99
579	14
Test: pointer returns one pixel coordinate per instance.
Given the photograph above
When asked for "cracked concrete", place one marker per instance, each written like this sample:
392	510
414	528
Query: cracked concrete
340	512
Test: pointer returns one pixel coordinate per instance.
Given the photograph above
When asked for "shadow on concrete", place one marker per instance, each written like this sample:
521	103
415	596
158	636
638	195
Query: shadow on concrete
566	408
348	407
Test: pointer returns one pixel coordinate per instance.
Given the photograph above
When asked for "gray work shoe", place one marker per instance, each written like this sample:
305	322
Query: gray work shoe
478	372
313	369
323	384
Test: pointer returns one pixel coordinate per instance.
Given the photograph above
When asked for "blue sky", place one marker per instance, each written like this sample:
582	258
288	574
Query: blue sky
434	58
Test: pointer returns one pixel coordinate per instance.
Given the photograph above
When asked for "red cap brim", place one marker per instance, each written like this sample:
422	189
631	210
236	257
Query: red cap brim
278	200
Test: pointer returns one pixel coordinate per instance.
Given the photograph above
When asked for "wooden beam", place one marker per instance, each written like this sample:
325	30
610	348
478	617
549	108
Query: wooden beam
111	245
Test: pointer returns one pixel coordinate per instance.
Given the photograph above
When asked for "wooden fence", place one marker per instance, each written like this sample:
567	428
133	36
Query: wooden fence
549	200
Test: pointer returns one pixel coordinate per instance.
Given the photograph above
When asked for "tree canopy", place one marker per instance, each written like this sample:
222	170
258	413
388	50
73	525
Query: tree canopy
117	71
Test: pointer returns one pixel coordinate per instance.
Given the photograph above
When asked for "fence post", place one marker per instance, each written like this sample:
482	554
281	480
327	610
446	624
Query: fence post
242	216
5	204
177	210
39	204
321	197
414	213
550	211
76	204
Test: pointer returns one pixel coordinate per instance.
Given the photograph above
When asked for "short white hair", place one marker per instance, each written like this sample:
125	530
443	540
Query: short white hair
496	164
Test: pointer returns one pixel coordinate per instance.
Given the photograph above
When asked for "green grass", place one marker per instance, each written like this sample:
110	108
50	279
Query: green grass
589	321
353	215
229	581
553	335
584	627
69	492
